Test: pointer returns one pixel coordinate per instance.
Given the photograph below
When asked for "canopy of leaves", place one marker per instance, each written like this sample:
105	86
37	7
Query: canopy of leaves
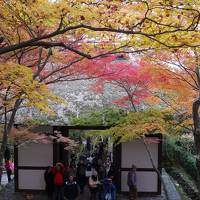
98	24
86	29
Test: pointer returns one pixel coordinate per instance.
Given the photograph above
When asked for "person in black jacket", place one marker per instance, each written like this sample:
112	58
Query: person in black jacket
49	177
81	175
71	190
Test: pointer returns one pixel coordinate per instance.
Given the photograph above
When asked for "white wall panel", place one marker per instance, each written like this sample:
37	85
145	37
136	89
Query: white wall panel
146	181
134	152
31	179
35	154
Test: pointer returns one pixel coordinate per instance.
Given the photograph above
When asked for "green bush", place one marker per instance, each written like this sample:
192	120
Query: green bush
174	153
187	144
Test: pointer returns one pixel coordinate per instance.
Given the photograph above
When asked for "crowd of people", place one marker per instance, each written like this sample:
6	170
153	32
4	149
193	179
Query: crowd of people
95	172
70	181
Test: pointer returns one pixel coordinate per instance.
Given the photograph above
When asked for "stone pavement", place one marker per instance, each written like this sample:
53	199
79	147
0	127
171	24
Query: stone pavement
9	194
4	179
170	187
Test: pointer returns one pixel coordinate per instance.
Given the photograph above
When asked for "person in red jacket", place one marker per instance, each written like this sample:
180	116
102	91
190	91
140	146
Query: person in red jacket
58	172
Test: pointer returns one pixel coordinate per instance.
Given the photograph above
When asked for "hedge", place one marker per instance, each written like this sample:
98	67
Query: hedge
177	154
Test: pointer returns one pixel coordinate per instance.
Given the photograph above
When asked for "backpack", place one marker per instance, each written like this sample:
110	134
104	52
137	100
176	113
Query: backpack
58	178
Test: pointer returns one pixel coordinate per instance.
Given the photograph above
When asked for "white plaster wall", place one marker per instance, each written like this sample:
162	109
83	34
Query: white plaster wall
146	181
31	179
134	152
35	154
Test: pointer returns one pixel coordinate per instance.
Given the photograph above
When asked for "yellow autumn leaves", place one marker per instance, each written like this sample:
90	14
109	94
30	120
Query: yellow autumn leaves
153	23
16	82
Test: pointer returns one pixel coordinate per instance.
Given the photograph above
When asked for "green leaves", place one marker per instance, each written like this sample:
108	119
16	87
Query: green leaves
106	116
131	126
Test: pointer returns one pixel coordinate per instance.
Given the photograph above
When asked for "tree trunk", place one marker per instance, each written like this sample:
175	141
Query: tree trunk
155	168
8	124
196	120
151	159
3	148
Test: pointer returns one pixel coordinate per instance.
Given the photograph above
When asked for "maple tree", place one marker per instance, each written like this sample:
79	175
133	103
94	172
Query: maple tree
16	87
178	75
134	79
28	81
129	76
25	84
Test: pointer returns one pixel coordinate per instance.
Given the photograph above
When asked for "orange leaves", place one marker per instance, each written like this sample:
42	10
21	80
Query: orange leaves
174	78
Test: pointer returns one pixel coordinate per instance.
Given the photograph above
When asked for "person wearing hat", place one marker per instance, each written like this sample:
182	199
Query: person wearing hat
131	182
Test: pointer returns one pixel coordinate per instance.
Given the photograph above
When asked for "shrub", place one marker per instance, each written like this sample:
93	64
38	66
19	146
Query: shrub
187	187
174	153
187	144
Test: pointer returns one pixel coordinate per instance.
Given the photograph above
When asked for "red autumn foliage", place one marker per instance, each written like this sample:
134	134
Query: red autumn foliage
131	77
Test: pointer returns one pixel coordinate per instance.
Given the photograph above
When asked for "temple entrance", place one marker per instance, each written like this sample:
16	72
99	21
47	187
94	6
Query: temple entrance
30	166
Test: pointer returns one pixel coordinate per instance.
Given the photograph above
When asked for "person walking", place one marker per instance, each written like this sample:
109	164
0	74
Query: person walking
49	182
71	190
81	175
8	167
102	172
95	162
88	172
107	165
109	190
58	172
72	170
131	182
93	185
112	173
